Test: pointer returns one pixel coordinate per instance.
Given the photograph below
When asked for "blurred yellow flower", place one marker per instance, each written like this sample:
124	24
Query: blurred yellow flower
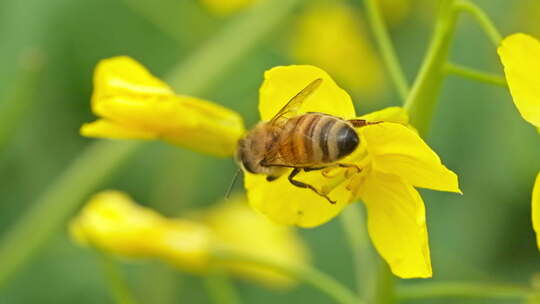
331	36
392	158
395	11
226	7
114	223
520	56
536	209
529	15
242	230
133	104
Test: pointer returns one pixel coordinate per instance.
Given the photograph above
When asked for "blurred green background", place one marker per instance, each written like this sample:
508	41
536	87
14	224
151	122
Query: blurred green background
484	235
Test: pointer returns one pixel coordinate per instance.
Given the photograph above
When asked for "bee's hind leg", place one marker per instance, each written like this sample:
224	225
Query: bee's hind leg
300	184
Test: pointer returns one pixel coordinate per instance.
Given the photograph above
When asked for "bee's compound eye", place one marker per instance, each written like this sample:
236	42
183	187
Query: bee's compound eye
247	165
242	156
347	141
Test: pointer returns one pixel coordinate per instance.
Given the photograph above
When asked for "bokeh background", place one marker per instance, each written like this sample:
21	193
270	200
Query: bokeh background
47	55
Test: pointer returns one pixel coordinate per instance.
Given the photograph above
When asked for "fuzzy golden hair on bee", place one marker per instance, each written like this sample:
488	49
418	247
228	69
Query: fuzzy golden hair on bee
308	141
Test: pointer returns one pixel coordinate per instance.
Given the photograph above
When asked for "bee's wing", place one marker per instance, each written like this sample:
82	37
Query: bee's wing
272	155
292	107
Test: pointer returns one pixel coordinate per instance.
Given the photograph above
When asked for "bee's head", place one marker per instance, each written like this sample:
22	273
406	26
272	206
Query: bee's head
242	156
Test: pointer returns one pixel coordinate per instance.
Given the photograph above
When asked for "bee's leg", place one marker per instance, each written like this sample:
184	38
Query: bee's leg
270	178
314	169
322	169
340	165
349	166
350	169
358	123
300	184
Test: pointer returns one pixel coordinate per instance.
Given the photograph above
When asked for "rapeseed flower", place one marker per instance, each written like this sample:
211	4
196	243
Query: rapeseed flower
392	159
134	104
520	56
331	36
113	222
240	229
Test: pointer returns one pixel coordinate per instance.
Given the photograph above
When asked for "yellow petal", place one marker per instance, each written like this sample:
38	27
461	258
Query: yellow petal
536	209
107	129
246	232
520	56
328	32
284	82
152	112
390	114
286	204
397	224
113	222
395	149
120	76
182	243
139	105
216	129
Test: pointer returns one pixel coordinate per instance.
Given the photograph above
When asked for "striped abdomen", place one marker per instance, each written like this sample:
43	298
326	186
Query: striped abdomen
316	138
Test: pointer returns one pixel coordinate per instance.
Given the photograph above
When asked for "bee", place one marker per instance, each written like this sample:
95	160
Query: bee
310	141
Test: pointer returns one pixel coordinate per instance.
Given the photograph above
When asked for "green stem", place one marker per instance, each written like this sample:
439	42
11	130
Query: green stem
99	159
241	35
423	97
220	288
49	212
306	274
352	219
117	284
385	284
382	38
473	74
462	290
483	20
163	19
23	94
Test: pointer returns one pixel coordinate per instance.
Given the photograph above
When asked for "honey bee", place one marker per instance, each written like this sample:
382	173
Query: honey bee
310	141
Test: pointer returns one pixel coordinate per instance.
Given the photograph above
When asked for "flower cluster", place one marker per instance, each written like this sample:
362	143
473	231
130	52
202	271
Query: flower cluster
391	161
112	222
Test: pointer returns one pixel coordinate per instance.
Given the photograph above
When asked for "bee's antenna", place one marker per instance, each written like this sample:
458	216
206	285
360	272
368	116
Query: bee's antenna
235	177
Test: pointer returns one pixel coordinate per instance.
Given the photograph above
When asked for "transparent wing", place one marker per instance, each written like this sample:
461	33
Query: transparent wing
292	107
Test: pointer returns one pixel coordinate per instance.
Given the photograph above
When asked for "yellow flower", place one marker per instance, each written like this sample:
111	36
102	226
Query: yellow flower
520	56
114	223
226	7
536	209
133	104
244	231
326	34
393	160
